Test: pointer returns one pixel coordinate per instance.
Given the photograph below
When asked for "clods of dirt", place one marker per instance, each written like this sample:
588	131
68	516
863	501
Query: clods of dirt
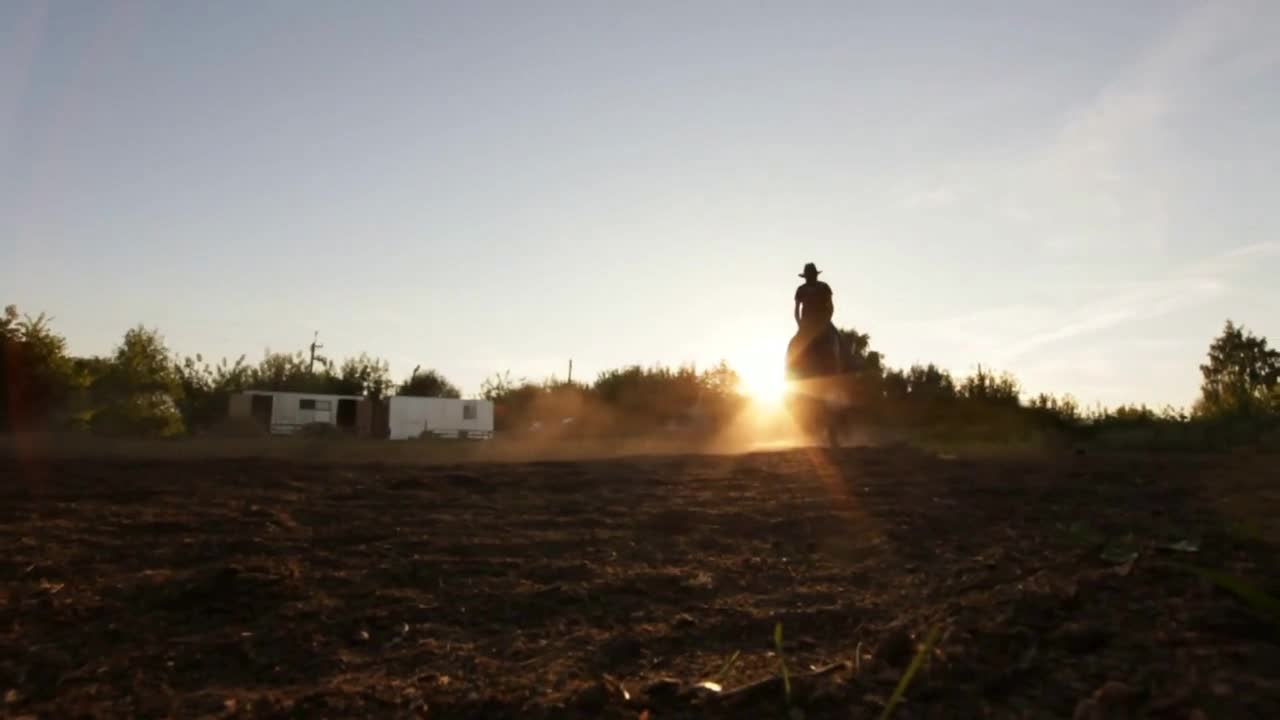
628	588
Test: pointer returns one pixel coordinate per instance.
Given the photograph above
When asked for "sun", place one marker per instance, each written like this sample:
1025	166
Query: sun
761	370
766	386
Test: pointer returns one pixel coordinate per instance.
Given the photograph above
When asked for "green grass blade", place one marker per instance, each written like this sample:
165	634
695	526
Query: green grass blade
910	673
727	666
1253	596
782	661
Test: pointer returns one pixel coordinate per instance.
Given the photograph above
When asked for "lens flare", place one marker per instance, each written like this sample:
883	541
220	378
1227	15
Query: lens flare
765	385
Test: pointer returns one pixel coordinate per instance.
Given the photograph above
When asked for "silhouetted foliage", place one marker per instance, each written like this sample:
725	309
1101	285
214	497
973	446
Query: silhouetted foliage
138	391
290	372
630	399
365	376
207	389
720	380
987	406
1242	376
142	389
428	383
921	384
657	394
521	403
986	387
859	357
294	372
36	376
499	386
1064	410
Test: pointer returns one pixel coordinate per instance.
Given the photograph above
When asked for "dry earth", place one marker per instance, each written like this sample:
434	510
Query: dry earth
609	588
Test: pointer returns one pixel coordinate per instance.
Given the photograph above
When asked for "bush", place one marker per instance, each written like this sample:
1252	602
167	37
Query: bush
428	383
140	415
141	389
37	379
137	389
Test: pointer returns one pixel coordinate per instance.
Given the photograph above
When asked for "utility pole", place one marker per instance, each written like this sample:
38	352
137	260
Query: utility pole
570	371
315	345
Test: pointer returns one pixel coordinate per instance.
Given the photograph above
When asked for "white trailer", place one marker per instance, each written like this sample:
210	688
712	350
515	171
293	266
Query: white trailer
285	413
411	417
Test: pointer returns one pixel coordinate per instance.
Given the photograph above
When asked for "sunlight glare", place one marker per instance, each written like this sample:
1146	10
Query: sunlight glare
765	385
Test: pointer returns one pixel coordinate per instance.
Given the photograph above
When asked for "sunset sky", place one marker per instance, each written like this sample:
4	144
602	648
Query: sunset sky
1080	193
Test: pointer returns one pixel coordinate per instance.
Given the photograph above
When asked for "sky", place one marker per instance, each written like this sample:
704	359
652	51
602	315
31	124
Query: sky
1073	192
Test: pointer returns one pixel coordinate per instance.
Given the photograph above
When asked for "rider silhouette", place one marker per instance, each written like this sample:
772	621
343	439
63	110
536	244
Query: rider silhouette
814	307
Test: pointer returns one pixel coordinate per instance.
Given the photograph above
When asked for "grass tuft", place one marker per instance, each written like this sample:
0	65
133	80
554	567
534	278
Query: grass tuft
724	671
911	671
782	662
1259	600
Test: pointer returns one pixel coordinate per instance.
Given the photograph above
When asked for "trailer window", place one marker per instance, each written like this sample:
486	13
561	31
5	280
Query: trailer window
469	411
312	404
306	404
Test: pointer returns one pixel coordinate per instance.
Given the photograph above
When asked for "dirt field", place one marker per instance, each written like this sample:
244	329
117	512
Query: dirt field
609	588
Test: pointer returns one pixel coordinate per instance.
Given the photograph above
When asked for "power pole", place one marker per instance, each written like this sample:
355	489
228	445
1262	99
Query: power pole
570	382
315	345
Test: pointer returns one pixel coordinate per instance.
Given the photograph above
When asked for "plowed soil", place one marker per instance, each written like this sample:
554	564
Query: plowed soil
610	588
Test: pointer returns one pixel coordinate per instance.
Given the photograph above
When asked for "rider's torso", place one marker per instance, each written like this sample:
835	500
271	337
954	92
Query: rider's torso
815	302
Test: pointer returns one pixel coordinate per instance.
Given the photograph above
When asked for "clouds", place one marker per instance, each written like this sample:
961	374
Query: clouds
1188	285
1112	341
1128	150
1099	347
1111	225
1111	172
1111	176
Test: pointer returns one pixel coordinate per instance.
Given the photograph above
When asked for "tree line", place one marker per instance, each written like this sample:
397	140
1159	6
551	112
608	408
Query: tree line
1239	401
143	388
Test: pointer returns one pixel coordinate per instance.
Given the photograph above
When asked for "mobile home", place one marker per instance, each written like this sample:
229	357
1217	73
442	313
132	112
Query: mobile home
284	413
411	417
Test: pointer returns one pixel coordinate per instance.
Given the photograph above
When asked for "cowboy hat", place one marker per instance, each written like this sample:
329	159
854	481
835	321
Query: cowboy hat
810	270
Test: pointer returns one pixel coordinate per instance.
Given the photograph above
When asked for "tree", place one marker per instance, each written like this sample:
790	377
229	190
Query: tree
721	396
517	403
1242	376
649	394
1133	414
988	387
721	381
428	383
206	389
498	386
36	376
283	372
365	376
137	394
858	354
920	384
1064	409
